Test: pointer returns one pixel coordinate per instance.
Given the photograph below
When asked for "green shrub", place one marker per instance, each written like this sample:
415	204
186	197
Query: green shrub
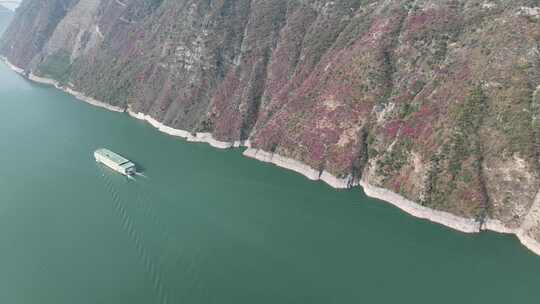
56	66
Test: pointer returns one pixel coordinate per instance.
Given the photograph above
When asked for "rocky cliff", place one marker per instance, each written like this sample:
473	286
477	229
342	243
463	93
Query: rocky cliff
435	100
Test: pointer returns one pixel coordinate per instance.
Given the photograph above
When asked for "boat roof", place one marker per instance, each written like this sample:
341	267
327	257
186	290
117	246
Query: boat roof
118	159
127	165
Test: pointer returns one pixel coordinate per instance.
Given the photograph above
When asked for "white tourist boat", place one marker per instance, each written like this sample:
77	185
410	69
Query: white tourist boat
116	162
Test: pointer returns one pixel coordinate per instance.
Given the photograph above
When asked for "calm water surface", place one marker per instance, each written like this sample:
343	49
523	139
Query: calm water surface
209	226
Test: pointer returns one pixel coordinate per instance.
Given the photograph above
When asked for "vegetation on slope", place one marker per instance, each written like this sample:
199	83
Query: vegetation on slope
435	100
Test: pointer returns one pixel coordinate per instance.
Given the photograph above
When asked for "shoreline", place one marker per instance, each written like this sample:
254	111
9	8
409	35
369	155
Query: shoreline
525	240
199	137
301	168
522	232
440	217
465	225
56	84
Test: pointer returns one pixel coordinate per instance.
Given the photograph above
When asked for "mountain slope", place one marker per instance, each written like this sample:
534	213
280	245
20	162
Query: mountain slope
437	101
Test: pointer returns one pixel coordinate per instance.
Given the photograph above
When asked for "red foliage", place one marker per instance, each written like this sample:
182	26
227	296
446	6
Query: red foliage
392	128
396	185
432	19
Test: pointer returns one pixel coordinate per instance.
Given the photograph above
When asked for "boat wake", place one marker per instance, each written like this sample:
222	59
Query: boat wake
129	226
141	174
135	176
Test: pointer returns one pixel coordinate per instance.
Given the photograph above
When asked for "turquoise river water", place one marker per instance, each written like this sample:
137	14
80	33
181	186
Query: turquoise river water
210	226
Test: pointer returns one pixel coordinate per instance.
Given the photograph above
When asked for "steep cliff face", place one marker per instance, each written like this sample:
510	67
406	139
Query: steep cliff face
436	100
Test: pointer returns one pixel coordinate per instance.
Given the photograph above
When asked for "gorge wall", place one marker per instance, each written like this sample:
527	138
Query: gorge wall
435	100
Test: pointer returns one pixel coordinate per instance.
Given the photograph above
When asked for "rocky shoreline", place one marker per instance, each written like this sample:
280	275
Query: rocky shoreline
461	224
56	84
527	241
522	232
191	137
447	219
300	167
